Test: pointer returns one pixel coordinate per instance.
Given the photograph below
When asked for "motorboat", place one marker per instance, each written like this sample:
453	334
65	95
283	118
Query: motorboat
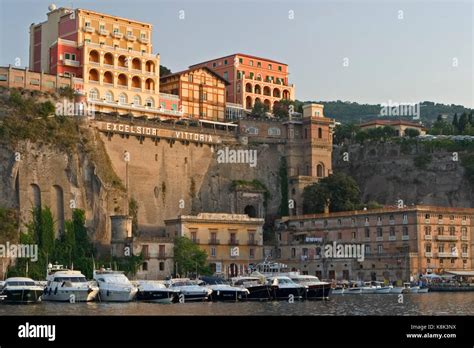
114	286
381	288
317	290
355	290
283	288
258	289
397	290
423	290
65	285
21	290
368	288
222	291
189	290
156	291
411	289
338	290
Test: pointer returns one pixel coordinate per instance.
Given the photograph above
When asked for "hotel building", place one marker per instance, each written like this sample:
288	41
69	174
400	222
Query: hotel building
399	244
400	126
201	92
231	241
252	79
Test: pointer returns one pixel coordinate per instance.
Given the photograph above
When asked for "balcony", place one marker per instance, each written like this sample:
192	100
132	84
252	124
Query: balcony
446	238
214	241
465	255
379	239
252	242
131	37
144	40
428	254
427	221
88	29
195	241
464	238
391	222
449	255
117	35
233	242
366	239
428	237
70	62
406	237
103	32
392	238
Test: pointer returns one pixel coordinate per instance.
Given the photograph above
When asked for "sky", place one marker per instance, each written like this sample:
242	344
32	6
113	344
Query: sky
373	51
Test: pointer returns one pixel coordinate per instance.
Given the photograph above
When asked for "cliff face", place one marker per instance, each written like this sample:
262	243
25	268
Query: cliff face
386	172
36	173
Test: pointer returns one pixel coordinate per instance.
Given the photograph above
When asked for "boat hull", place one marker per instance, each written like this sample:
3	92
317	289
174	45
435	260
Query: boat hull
158	296
111	295
26	296
64	294
283	293
396	290
353	291
318	292
384	290
228	295
259	293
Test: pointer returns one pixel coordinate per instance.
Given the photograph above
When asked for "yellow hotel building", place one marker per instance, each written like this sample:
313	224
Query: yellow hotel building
231	241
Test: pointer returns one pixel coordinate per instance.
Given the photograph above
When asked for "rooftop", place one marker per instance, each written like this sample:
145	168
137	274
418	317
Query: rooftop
243	55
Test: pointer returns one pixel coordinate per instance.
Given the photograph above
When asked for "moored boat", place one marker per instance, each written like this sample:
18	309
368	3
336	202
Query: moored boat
222	291
283	288
114	286
317	290
65	285
189	290
21	290
156	291
258	289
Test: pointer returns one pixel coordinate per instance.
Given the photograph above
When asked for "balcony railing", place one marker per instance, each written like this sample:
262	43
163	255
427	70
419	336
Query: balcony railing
446	238
428	237
379	239
103	32
392	238
214	241
428	254
131	37
464	238
406	237
70	62
233	242
450	255
144	40
252	242
117	34
464	254
88	29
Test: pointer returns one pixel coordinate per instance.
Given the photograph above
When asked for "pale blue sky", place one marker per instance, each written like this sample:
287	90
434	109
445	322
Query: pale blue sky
403	60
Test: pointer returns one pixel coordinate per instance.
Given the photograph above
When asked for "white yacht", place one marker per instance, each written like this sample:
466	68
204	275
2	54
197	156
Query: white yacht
114	286
20	290
189	289
62	283
283	288
156	291
222	291
316	288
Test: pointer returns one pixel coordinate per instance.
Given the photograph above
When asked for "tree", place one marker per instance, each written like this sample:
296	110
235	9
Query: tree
339	190
164	71
346	131
462	123
189	257
455	122
133	211
412	132
281	109
259	109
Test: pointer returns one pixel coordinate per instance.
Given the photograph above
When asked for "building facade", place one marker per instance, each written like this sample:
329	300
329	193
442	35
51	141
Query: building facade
400	126
398	244
232	242
252	79
201	93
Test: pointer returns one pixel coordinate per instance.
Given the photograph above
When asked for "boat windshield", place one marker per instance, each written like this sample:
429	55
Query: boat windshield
115	278
71	279
183	283
20	283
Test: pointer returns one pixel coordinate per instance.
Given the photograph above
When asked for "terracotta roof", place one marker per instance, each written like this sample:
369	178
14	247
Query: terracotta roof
196	68
241	54
391	123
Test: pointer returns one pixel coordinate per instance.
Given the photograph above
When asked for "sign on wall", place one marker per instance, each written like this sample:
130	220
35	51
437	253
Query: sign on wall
234	251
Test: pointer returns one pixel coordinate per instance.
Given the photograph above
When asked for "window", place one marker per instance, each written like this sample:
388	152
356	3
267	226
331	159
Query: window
391	218
123	98
440	230
233	239
129	33
279	68
428	248
241	61
150	102
145	251
194	236
101	27
251	253
213	251
226	75
87	24
214	64
405	231
251	64
116	30
405	217
259	65
452	260
67	55
392	231
225	61
427	230
136	100
109	97
87	41
339	235
252	237
93	94
427	216
269	66
353	235
464	248
379	232
35	82
162	266
145	266
190	78
293	252
464	231
441	248
274	131
380	248
451	217
367	233
339	222
367	249
18	78
452	231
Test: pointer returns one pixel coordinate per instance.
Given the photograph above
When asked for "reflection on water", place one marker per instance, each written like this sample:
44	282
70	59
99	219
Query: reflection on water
367	304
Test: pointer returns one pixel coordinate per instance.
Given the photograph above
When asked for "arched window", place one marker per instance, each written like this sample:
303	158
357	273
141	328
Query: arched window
109	97
320	170
123	98
137	100
94	94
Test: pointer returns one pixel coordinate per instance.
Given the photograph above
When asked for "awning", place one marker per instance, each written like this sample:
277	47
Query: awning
462	273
